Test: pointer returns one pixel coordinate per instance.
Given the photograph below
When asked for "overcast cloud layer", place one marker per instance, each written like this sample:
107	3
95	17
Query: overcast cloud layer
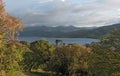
65	12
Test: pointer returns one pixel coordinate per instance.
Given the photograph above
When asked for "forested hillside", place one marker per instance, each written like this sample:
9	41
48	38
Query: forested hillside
68	31
47	31
92	33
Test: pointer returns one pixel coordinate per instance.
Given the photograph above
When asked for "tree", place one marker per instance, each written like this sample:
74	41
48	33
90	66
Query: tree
10	53
69	60
11	56
2	17
29	58
12	28
41	51
59	42
104	59
9	26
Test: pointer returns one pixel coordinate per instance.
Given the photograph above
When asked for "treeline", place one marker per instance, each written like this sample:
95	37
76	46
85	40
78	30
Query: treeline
19	58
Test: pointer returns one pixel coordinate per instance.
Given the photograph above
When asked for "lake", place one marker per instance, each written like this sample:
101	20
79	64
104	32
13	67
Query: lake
65	40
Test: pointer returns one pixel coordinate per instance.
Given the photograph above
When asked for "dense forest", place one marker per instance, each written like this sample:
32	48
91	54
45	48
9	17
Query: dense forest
40	58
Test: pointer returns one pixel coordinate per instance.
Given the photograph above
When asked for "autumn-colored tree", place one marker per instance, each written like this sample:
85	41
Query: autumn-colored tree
9	26
12	28
2	17
10	54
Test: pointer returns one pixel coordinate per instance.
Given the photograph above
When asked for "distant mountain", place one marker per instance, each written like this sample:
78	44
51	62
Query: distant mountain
46	31
68	31
92	33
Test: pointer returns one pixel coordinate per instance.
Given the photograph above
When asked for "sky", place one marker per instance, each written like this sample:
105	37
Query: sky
80	13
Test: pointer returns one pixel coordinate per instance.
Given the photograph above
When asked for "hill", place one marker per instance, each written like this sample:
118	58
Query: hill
92	33
46	31
68	31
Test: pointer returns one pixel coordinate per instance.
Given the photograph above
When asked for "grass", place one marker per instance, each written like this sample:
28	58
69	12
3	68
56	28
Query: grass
16	73
39	72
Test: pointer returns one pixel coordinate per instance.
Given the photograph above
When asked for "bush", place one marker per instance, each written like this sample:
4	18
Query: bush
38	56
69	60
11	56
105	57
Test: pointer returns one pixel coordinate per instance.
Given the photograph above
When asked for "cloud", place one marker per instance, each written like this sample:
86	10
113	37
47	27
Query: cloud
72	12
42	1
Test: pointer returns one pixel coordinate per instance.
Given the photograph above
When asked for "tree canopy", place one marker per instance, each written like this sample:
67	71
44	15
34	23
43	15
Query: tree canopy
70	60
9	26
104	60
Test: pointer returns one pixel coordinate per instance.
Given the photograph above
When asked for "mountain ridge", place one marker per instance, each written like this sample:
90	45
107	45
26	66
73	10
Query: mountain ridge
68	31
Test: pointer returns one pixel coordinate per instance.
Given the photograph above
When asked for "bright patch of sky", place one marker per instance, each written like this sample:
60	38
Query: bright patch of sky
65	12
80	1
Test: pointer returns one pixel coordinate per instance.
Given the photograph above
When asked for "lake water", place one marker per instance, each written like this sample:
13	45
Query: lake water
65	40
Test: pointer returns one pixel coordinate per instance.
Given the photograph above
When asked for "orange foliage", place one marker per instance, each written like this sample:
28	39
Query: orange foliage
8	24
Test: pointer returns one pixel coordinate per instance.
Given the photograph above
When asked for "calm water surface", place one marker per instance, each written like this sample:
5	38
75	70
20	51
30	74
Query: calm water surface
65	40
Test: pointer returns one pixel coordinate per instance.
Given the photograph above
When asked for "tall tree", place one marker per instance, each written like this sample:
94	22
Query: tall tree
9	26
10	54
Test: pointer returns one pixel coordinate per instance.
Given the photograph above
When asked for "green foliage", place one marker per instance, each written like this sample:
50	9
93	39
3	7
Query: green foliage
38	56
10	50
41	46
15	73
105	58
69	60
10	56
27	44
28	61
112	40
43	49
